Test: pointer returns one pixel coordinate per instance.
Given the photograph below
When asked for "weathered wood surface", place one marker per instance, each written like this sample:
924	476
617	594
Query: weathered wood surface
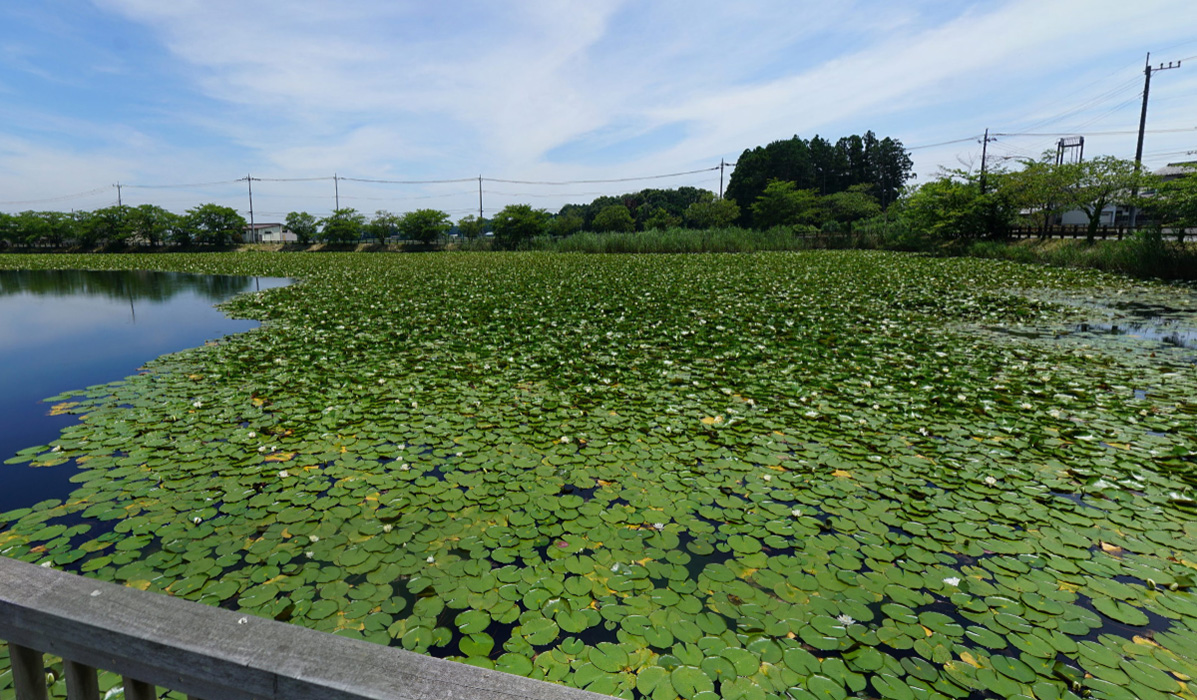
209	652
28	673
81	681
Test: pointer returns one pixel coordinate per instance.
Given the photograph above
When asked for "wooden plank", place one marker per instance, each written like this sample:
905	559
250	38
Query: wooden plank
81	681
214	653
138	690
28	672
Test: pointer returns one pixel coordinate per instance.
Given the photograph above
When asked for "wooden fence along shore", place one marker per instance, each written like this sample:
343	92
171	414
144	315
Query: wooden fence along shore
154	640
1080	231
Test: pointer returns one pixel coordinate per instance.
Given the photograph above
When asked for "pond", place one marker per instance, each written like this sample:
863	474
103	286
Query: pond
764	477
64	330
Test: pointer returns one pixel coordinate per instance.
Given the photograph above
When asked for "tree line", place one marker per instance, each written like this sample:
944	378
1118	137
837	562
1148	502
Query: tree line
962	204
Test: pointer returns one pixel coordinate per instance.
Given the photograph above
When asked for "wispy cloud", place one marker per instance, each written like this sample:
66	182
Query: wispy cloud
193	90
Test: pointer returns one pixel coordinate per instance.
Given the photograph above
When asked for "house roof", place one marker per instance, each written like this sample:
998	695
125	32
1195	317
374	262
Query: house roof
258	226
1177	169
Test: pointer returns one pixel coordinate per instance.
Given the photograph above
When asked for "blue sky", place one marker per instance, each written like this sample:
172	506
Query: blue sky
150	93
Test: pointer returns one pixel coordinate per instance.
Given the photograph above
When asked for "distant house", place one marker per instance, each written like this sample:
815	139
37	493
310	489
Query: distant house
1175	171
268	233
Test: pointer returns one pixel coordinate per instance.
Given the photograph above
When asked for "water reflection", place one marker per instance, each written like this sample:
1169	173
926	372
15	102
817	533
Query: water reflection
63	331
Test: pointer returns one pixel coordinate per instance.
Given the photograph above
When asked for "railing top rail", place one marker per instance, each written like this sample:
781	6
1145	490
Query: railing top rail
215	653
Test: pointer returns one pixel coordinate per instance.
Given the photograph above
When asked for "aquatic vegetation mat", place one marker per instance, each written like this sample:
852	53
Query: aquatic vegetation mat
803	475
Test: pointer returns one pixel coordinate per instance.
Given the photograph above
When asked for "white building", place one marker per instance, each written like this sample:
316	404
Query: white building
268	233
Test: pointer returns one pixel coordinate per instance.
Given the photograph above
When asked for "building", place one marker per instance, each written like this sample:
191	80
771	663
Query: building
268	233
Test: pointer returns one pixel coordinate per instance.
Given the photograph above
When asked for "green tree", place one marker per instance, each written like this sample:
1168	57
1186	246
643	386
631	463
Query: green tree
342	226
1095	184
716	213
383	226
424	225
953	207
783	204
661	219
471	226
109	226
1173	204
212	224
853	204
150	223
616	218
517	224
1038	190
565	224
303	225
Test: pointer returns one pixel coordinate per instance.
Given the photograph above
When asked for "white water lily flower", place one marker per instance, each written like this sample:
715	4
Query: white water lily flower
430	560
990	480
388	527
252	434
658	526
952	580
767	477
796	513
198	404
284	474
845	620
197	520
47	565
564	440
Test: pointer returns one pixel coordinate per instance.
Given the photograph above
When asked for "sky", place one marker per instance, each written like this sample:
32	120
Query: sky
180	101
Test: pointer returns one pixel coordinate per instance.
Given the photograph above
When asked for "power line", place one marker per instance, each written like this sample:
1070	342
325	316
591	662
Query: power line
597	182
77	195
406	182
184	185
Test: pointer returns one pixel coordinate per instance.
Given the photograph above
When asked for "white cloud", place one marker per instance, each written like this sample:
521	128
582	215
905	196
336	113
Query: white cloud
413	90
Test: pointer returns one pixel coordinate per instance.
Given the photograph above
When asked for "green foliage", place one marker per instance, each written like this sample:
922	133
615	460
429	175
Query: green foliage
383	226
716	213
343	226
212	224
425	225
471	227
151	224
614	217
783	204
666	205
1094	184
952	207
1173	204
517	224
305	226
822	167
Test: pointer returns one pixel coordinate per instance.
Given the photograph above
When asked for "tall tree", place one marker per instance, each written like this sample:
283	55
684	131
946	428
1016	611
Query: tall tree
343	226
1095	184
303	225
516	224
616	218
424	225
783	204
212	224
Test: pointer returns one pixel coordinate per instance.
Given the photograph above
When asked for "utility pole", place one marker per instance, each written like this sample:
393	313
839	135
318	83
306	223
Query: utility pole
984	151
479	199
1147	70
721	164
336	192
118	194
249	180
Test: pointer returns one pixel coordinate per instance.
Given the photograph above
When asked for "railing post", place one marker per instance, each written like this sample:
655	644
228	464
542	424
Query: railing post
81	681
28	672
139	690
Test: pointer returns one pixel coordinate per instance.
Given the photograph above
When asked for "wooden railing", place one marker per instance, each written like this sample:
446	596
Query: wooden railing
154	640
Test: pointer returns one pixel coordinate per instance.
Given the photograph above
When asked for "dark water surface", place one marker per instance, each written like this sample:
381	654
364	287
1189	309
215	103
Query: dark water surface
64	331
